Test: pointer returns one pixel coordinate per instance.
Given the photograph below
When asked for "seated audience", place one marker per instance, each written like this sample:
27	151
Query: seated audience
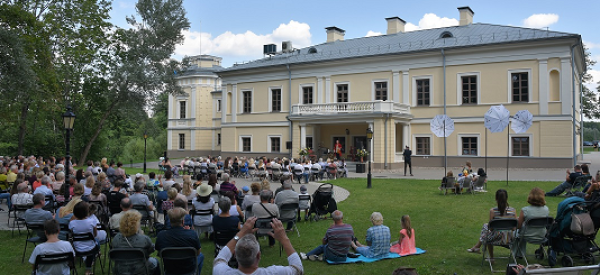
235	210
570	179
37	215
130	236
224	222
187	220
336	243
266	210
406	242
142	199
287	196
536	209
203	201
83	225
53	245
250	200
378	239
177	236
247	252
115	219
115	196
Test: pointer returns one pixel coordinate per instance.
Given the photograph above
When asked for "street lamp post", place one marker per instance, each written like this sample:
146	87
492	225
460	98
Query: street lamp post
369	137
145	137
68	120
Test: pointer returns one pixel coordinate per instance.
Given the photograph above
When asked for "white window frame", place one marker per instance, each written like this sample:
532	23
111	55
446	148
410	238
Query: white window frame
241	143
530	136
559	84
414	89
387	81
312	85
269	143
271	88
335	90
509	84
179	109
241	107
459	87
414	143
459	143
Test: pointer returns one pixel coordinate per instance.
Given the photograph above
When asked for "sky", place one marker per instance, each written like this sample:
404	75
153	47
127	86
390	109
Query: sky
237	30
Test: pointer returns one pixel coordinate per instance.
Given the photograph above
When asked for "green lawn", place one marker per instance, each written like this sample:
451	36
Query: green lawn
445	226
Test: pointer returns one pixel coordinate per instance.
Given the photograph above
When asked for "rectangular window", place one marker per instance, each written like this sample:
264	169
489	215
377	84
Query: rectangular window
219	139
422	92
381	91
181	141
247	107
469	146
342	93
182	109
423	146
246	144
309	142
469	89
275	144
520	87
218	105
276	100
307	95
520	146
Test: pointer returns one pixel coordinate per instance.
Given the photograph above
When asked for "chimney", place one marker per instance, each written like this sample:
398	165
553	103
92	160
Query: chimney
466	16
395	25
334	33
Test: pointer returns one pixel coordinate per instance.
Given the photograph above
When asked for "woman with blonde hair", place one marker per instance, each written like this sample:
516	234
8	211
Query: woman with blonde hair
378	239
536	209
89	184
130	236
187	189
103	181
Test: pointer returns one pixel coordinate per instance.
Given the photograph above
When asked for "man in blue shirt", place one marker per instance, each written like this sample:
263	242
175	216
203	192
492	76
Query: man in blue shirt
567	184
177	236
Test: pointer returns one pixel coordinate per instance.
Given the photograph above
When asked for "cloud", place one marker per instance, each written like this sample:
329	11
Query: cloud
595	76
591	45
247	45
373	33
126	5
431	21
540	20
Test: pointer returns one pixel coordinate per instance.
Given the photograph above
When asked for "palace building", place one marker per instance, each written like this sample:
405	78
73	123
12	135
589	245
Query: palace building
393	84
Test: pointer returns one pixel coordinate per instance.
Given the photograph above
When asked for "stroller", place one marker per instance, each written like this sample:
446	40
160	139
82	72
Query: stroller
323	202
571	244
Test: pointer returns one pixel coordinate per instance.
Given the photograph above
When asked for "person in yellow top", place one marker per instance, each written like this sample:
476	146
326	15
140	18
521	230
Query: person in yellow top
12	174
3	179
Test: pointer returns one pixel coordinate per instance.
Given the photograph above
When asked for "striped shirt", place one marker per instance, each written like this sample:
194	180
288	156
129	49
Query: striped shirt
338	238
509	213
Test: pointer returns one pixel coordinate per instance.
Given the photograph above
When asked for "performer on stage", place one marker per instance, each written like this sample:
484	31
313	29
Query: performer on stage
338	149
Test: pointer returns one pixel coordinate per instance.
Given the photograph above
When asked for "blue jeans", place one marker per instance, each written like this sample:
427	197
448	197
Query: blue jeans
7	197
559	189
200	260
306	176
322	249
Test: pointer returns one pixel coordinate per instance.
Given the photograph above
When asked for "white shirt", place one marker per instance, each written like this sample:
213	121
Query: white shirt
221	268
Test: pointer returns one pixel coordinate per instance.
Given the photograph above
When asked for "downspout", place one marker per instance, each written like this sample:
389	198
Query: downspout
385	140
581	112
290	106
445	151
573	103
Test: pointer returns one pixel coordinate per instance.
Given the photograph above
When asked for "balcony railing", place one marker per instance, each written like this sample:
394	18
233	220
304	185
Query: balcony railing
350	107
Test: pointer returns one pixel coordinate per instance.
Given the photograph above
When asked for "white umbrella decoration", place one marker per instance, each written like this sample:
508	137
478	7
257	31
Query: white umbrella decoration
521	121
496	119
442	126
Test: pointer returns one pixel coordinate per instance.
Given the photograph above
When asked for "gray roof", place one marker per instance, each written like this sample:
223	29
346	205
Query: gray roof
476	34
195	70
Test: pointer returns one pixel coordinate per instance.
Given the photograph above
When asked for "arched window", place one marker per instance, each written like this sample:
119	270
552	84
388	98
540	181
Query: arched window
312	50
554	88
446	34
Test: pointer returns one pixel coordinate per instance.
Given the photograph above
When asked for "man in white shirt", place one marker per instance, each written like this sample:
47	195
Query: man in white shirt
52	246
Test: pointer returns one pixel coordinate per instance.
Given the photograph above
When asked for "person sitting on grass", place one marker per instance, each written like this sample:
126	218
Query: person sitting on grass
247	251
336	243
52	246
378	239
406	242
502	211
567	183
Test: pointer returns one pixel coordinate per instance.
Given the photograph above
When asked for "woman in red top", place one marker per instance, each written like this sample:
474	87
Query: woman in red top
338	149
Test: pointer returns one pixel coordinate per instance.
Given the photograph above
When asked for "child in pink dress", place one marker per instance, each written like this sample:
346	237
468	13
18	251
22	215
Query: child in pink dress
406	242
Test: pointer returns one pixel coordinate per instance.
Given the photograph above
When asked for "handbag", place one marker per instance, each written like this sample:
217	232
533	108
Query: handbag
582	224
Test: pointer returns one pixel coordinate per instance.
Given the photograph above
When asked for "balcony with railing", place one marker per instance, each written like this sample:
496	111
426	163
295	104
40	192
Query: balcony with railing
348	108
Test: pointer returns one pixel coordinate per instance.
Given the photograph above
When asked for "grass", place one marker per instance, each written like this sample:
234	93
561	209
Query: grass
445	226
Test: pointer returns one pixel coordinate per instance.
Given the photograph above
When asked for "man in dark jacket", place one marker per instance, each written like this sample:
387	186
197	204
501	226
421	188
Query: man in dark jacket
407	153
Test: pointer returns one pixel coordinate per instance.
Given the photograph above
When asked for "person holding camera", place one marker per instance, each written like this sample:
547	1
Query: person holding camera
247	251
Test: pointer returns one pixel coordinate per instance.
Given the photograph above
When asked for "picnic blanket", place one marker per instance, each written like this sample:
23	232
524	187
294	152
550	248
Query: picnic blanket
363	259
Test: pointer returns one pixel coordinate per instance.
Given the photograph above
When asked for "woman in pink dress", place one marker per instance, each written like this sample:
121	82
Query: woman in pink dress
406	242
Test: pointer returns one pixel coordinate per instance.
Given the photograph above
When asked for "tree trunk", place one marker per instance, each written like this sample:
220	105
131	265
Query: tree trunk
88	146
23	126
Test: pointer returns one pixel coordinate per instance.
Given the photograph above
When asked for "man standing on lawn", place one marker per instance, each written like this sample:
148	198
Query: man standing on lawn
407	153
336	242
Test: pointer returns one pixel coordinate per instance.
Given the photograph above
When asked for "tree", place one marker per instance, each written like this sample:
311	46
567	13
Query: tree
591	108
141	66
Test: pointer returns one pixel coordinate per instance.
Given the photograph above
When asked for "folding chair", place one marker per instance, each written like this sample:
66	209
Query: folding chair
578	184
50	204
52	259
449	184
298	172
202	228
92	253
314	172
172	258
126	259
500	225
480	185
32	236
270	172
248	212
468	185
289	211
331	172
252	172
533	224
276	173
147	218
303	204
17	210
221	238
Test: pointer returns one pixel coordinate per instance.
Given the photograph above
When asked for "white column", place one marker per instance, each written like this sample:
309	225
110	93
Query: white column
396	86
327	89
371	147
171	111
224	105
320	90
192	139
543	85
405	88
566	85
406	135
193	103
302	135
234	96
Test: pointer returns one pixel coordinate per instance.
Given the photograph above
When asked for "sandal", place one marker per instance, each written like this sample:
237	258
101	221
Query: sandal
473	250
